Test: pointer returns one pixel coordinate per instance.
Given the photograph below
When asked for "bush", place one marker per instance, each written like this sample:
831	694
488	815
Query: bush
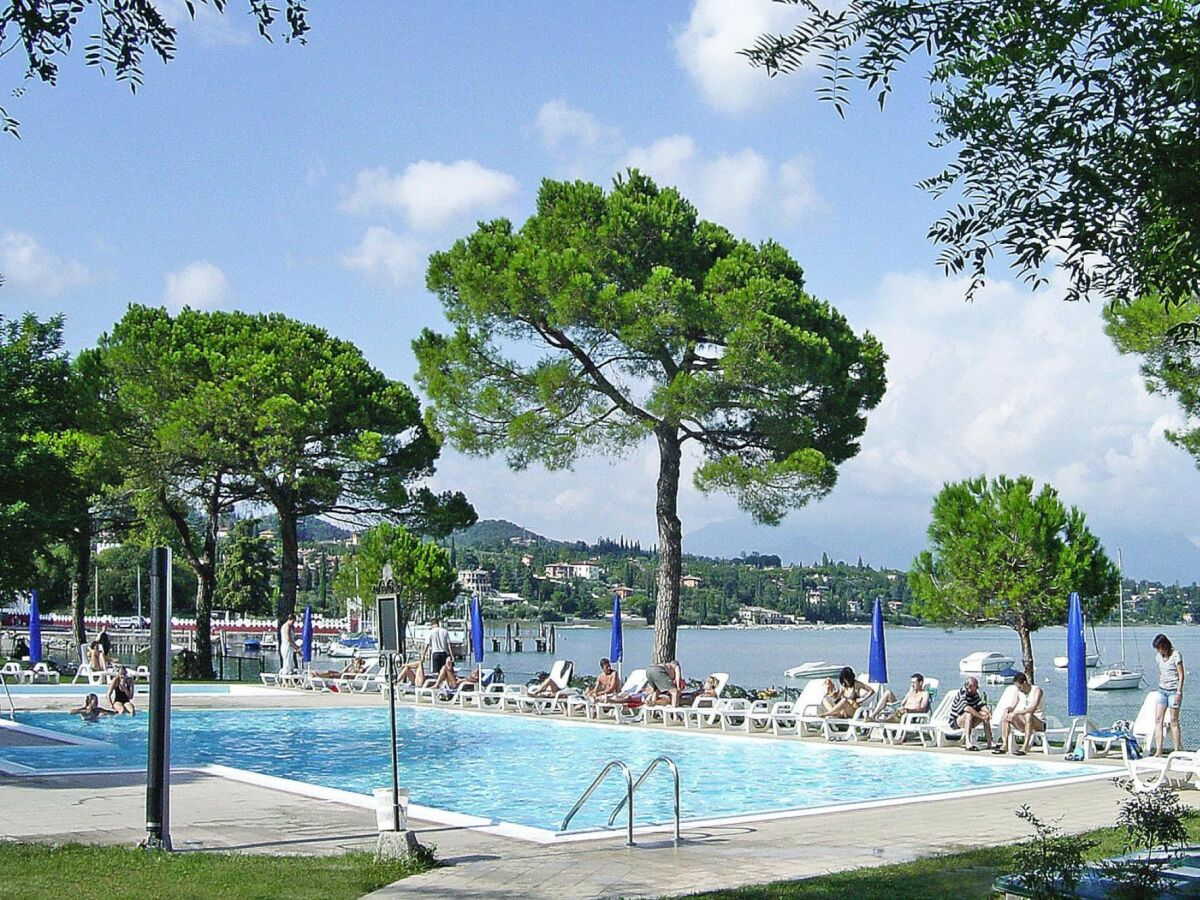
1051	863
1154	822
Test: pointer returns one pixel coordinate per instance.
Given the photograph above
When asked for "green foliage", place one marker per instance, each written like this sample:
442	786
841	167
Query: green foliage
1001	554
35	406
1154	822
1170	360
121	34
244	573
1051	863
421	569
118	580
1076	127
647	317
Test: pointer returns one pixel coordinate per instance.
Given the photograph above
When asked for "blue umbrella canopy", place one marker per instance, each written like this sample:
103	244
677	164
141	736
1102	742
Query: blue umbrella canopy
616	641
306	636
476	631
1076	659
35	629
877	668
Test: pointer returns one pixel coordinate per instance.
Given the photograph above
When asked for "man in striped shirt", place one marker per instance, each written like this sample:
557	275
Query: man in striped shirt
970	709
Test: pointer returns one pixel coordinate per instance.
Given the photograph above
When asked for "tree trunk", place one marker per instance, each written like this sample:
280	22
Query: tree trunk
1026	649
289	561
670	545
205	581
80	582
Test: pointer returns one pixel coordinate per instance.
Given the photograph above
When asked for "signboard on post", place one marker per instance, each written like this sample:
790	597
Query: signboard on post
390	639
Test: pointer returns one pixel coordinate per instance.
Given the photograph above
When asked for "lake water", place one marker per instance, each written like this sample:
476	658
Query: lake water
758	658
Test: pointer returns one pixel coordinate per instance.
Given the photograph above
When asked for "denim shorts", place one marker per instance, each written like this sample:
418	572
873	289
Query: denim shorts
1166	697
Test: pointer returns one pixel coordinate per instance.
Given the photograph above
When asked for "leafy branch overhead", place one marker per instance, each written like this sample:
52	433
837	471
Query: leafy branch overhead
46	30
1076	128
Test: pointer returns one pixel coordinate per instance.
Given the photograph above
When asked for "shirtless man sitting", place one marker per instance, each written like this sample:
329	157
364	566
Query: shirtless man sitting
915	701
1027	716
607	683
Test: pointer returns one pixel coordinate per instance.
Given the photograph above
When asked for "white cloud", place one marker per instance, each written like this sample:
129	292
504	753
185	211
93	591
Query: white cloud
708	49
430	195
797	189
562	126
398	258
25	263
208	24
200	285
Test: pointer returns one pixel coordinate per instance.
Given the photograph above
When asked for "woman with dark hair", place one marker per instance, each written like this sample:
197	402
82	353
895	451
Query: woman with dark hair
849	695
1170	693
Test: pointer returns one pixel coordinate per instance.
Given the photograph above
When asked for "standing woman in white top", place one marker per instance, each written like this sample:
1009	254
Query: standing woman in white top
1170	691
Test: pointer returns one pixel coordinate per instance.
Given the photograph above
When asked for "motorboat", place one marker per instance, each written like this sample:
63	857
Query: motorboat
818	669
1091	661
417	634
350	645
1002	676
1117	678
984	662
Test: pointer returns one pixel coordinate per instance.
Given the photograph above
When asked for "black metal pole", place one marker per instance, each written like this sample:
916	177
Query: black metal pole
158	752
391	670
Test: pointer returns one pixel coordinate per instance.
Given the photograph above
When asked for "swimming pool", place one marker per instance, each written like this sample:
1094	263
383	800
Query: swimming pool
529	771
81	689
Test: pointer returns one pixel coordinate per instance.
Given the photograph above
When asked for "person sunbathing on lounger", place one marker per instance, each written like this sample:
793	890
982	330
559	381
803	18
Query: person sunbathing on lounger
915	701
446	677
413	672
608	683
709	689
848	697
91	709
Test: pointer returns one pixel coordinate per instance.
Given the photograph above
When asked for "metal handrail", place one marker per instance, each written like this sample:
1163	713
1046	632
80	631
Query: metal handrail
613	764
666	760
12	709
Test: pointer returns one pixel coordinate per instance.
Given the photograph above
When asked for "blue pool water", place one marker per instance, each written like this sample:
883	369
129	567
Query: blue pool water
525	770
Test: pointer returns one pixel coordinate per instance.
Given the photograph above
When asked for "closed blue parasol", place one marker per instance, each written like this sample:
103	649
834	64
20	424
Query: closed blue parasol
35	629
616	642
1076	659
306	636
877	668
477	631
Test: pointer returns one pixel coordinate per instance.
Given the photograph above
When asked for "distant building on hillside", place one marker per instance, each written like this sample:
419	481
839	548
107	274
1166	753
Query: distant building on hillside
588	571
622	591
475	581
690	581
761	615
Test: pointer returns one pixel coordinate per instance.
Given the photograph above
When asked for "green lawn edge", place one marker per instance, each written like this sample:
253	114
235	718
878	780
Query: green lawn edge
952	876
83	871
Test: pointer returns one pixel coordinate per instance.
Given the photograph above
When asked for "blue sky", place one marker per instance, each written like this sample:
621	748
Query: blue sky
315	180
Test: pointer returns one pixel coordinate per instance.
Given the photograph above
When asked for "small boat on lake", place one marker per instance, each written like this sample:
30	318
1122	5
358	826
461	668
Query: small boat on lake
1091	661
819	669
1119	677
985	662
348	645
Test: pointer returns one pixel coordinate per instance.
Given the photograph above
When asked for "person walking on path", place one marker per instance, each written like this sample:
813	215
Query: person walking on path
438	642
287	645
1170	692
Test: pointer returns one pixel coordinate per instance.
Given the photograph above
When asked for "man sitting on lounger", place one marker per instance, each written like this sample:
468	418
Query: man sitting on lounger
1027	716
663	683
970	709
915	701
607	685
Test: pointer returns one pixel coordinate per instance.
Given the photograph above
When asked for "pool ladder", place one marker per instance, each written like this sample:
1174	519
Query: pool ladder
12	709
626	803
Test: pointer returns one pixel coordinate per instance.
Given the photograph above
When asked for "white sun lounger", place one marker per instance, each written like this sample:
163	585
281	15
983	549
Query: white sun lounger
89	675
1104	742
1174	770
560	677
678	715
618	710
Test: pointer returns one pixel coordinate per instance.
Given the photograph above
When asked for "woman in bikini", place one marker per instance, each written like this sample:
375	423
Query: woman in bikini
849	696
120	692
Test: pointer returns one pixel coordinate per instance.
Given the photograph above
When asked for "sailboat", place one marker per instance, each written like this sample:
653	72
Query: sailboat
1090	660
1119	677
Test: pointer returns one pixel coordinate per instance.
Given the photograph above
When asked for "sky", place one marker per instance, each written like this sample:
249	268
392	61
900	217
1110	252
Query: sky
315	180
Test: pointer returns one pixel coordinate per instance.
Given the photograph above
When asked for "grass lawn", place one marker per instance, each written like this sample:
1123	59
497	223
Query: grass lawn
82	872
957	876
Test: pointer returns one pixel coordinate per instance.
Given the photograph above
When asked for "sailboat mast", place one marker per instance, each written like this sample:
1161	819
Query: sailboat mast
1121	601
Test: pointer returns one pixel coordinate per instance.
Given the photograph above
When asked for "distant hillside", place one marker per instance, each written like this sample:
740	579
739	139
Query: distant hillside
489	532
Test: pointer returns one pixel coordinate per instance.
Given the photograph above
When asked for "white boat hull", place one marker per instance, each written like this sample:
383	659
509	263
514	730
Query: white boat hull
1114	681
984	663
820	669
1091	661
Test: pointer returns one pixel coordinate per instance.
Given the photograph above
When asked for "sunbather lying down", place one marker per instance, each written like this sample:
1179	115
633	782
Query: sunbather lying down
843	700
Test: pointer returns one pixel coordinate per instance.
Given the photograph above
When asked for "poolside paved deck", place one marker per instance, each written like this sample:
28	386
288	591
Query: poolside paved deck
213	813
